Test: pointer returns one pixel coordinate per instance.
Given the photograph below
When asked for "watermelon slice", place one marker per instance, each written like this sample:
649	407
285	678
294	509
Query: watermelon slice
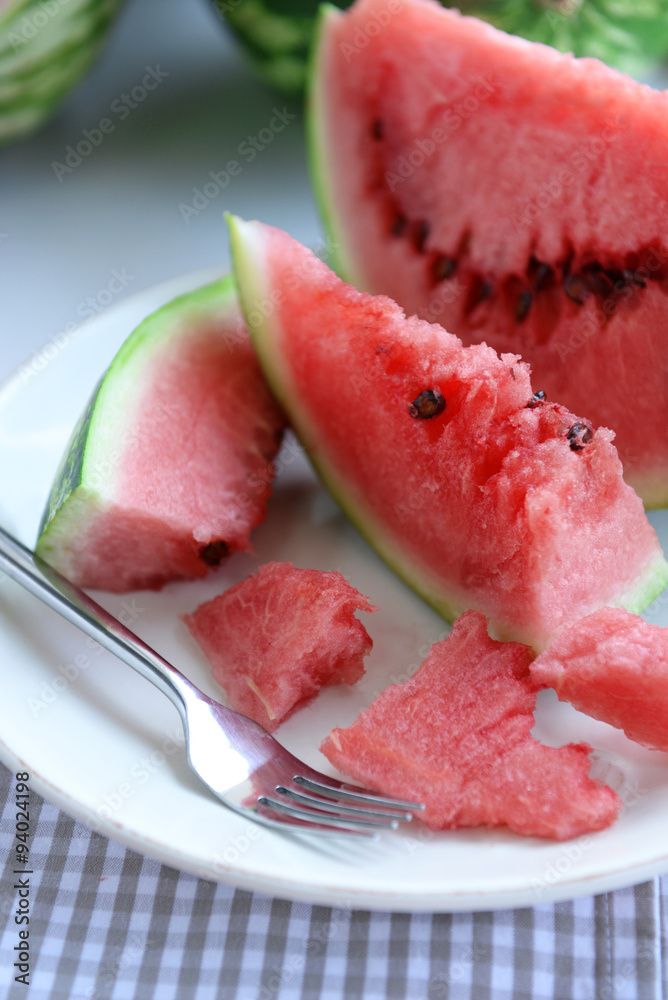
304	635
613	666
515	195
456	736
476	491
170	465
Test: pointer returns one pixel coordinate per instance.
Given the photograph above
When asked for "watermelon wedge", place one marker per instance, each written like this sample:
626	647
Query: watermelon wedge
170	465
457	737
476	491
516	195
304	635
613	666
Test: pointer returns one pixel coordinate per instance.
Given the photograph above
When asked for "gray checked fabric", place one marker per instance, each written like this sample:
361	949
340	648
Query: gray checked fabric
108	924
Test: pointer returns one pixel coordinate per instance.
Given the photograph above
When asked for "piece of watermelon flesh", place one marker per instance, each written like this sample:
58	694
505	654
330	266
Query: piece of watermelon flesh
484	506
614	666
511	193
456	736
172	465
278	636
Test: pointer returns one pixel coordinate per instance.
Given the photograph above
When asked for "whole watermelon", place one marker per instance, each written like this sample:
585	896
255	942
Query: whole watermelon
45	48
627	34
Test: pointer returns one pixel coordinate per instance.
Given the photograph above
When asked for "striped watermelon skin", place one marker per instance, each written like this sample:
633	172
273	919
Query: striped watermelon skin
277	34
46	47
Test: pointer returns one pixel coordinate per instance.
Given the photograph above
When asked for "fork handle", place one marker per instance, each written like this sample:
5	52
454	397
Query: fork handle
36	576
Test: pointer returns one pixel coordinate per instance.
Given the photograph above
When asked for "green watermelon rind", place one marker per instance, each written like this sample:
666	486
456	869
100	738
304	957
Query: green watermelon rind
249	278
37	74
253	288
316	145
276	35
75	497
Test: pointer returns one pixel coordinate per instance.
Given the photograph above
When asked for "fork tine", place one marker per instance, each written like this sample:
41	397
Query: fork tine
329	805
291	823
325	817
337	789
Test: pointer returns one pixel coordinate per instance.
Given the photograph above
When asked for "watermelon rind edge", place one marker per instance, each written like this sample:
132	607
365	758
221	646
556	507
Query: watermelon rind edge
316	143
75	497
253	290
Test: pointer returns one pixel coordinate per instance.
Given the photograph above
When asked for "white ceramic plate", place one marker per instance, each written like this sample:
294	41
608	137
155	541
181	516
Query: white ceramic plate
105	746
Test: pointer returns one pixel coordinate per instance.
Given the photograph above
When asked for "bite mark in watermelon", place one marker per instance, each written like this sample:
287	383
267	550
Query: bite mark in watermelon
613	666
170	466
304	634
516	195
494	502
456	736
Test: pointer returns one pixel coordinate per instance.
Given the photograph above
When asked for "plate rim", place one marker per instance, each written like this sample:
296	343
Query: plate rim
569	886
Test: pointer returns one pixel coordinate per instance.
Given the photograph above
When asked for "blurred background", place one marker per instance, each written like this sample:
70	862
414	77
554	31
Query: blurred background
126	183
80	232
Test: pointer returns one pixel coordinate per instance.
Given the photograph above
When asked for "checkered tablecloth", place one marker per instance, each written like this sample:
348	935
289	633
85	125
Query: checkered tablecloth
109	924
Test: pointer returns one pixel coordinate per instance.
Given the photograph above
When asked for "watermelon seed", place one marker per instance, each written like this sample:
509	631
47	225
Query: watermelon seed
399	225
378	128
538	397
421	235
578	436
576	288
214	553
601	282
542	273
444	267
428	404
633	278
523	306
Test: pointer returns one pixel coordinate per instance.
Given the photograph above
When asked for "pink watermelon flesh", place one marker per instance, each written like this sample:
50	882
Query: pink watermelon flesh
456	736
277	637
494	503
512	193
613	666
184	474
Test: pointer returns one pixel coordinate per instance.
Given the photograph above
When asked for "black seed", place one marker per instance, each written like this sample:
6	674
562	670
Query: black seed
576	288
543	275
523	306
579	435
378	128
566	266
538	397
444	267
479	291
633	278
421	235
399	225
485	291
214	553
601	282
428	404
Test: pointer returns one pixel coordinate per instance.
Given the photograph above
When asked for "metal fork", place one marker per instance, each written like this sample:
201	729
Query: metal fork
235	757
